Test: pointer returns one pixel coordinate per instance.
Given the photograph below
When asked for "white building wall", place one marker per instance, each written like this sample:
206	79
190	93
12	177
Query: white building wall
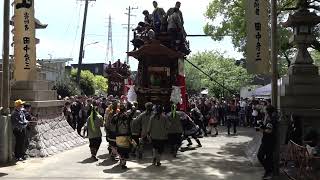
54	69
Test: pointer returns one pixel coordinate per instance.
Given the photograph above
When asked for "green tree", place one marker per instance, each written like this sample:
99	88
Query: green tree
316	57
231	13
231	17
100	84
66	87
223	70
86	81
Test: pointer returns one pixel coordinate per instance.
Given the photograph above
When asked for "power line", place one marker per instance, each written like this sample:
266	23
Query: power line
71	19
211	79
77	30
197	35
128	28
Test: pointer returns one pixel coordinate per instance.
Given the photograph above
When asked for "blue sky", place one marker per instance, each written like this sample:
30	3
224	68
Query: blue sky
62	37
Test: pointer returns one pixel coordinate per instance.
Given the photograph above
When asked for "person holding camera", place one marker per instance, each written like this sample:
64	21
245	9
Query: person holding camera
265	153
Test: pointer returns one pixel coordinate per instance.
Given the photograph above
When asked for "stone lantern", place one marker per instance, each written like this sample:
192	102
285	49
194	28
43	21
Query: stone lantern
302	23
300	88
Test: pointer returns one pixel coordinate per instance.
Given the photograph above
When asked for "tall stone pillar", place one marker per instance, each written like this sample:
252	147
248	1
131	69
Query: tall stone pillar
300	89
24	41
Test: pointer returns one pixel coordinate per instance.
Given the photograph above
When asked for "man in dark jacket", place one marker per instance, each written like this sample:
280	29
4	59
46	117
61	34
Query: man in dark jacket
171	11
19	125
265	153
204	109
158	17
140	127
75	109
197	117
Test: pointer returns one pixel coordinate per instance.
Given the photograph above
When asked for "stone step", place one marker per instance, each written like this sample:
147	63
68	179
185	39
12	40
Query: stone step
32	85
31	95
312	102
300	90
303	69
301	79
310	112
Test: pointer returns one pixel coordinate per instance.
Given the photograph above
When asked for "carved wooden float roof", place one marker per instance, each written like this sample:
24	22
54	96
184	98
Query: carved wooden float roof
155	48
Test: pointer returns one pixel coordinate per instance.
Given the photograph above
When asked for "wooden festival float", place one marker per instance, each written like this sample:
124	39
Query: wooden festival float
160	70
118	75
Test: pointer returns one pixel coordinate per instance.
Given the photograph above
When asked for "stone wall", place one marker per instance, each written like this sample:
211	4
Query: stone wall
5	139
52	135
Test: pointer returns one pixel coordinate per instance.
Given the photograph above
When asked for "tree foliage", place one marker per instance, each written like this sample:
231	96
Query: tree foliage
89	83
316	57
66	87
222	70
232	15
227	18
86	81
100	84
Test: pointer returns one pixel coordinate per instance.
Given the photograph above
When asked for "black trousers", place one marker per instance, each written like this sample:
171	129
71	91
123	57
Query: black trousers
80	124
136	139
265	157
222	119
175	140
201	126
232	122
158	145
194	136
94	144
20	146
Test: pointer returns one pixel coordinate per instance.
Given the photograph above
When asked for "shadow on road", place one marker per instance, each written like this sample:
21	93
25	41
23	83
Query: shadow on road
108	162
116	170
184	149
228	162
13	163
87	161
3	174
103	156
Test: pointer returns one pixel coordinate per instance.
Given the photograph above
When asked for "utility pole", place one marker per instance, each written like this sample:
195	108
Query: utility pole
274	53
5	63
82	39
274	83
128	26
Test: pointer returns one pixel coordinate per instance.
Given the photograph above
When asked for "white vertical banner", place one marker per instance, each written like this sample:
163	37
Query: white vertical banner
258	37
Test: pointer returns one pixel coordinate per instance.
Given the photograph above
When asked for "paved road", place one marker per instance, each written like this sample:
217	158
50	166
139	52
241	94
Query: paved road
220	157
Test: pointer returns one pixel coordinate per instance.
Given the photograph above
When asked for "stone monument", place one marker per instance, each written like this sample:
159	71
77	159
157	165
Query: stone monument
51	133
300	89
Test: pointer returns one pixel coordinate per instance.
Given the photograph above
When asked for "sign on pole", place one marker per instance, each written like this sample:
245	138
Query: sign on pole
258	54
24	41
